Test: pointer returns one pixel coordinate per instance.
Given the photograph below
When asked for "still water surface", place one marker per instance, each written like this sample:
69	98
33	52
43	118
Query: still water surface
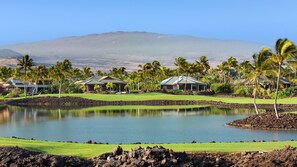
176	125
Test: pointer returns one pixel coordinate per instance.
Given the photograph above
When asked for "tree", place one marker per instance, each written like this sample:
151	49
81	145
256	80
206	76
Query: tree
86	72
5	73
202	66
16	73
260	68
38	74
77	73
25	64
284	50
109	86
181	64
99	73
231	63
245	68
60	72
97	88
223	70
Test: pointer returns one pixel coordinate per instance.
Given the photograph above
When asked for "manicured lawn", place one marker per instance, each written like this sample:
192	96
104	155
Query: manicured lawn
131	107
161	96
91	150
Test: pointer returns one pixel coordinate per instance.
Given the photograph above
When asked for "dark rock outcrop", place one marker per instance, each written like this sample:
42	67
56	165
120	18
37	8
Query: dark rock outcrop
15	156
267	121
150	156
77	102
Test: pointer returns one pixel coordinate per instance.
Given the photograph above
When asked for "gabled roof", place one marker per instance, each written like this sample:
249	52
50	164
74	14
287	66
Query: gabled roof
181	80
266	81
100	80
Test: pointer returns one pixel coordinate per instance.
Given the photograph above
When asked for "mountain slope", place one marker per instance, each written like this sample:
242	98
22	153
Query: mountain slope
103	51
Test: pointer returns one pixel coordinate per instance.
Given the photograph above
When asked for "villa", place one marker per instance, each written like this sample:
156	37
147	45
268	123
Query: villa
102	81
179	82
267	83
34	88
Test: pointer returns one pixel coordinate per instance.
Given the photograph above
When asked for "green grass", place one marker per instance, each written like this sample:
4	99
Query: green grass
134	107
161	96
91	150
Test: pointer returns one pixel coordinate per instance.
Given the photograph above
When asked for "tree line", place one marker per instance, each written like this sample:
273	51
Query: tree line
272	64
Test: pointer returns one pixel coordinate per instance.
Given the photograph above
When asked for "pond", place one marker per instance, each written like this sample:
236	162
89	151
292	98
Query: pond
130	124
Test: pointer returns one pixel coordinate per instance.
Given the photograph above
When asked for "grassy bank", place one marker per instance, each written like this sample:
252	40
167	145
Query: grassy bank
161	96
91	150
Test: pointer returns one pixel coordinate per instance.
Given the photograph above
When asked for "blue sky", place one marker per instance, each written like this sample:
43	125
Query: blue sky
261	21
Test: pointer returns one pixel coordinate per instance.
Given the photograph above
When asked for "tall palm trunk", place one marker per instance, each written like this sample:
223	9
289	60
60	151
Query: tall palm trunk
276	91
185	89
255	105
25	83
60	87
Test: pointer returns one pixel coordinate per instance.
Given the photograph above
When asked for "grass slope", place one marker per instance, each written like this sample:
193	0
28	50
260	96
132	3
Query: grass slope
91	150
161	96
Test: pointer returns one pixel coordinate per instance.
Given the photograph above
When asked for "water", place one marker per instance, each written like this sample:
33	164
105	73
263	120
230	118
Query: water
120	125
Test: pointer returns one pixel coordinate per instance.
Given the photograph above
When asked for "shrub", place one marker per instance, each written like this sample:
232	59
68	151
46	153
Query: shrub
289	92
221	88
4	92
135	91
14	93
243	90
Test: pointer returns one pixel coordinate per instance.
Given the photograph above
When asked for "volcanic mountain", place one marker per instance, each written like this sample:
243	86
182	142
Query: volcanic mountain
129	49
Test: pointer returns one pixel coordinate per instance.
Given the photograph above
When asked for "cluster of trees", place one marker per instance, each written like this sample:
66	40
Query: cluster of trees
282	62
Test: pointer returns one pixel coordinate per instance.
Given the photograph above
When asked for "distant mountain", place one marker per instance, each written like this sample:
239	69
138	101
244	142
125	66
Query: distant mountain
8	53
129	49
9	57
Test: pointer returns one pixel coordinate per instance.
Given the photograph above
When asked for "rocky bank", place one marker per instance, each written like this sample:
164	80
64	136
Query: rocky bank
267	121
77	102
150	156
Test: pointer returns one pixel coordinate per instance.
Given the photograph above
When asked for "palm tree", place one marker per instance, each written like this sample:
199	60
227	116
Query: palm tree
109	86
25	64
260	68
39	73
223	70
202	65
181	64
245	68
231	63
77	73
86	72
60	72
99	73
293	65
284	50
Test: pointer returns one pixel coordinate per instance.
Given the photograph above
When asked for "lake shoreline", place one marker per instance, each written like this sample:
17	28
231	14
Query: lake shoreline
78	102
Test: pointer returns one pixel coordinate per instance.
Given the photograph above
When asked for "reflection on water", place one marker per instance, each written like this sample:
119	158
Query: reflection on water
128	124
20	114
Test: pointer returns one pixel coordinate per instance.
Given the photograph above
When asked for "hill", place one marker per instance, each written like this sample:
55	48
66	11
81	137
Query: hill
129	49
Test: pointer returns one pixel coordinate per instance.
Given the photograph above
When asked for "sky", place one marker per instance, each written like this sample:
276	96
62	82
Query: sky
261	21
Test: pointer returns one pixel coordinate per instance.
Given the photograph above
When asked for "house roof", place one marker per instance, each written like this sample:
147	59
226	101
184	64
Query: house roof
181	80
100	80
266	81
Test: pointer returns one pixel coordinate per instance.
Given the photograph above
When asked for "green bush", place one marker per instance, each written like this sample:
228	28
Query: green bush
243	90
289	92
4	92
221	88
14	93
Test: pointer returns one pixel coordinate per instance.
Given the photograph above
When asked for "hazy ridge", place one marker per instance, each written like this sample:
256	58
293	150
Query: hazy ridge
103	51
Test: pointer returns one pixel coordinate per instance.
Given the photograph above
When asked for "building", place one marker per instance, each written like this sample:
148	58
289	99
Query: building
179	83
102	81
34	88
267	83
